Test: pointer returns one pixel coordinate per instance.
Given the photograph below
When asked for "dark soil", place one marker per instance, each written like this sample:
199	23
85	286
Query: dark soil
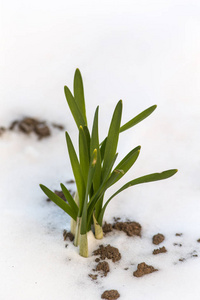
68	235
93	276
160	250
177	244
130	228
108	252
107	227
58	126
71	181
178	234
28	125
143	269
110	295
103	267
158	238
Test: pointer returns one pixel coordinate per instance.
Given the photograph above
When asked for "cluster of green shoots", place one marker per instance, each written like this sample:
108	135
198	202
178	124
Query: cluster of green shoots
93	167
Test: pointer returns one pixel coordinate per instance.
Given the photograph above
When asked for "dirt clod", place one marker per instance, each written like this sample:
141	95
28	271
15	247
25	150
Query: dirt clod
68	235
130	228
42	130
176	244
103	267
28	125
182	259
93	276
107	227
71	181
143	269
178	234
108	252
58	126
160	250
158	238
110	295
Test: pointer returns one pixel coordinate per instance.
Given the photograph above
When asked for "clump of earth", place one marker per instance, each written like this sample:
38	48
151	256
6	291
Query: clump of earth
110	295
28	125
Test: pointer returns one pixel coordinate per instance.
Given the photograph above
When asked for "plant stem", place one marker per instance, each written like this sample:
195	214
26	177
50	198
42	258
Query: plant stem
98	229
73	226
77	233
83	245
73	222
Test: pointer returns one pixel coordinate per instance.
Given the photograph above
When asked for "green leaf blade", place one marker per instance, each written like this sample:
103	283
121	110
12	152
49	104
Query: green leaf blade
74	108
79	94
91	171
94	144
69	198
143	115
84	156
76	170
112	138
124	166
144	179
59	202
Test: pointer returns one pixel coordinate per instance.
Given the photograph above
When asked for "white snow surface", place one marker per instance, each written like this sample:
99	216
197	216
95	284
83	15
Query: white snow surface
142	51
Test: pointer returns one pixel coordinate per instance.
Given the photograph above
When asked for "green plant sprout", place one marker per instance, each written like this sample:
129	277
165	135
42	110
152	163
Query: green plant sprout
93	167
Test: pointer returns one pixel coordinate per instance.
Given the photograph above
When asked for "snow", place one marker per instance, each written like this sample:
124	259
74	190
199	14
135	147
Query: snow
144	52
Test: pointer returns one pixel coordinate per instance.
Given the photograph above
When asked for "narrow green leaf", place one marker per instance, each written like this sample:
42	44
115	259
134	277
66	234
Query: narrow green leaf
94	144
97	196
88	187
84	155
112	139
126	163
69	198
59	201
74	108
143	115
87	135
143	179
79	94
76	171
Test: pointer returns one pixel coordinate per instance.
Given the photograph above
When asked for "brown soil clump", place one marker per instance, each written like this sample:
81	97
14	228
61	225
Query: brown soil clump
178	234
107	227
143	269
160	250
158	238
130	228
68	235
93	276
103	267
28	125
110	295
108	252
176	244
58	126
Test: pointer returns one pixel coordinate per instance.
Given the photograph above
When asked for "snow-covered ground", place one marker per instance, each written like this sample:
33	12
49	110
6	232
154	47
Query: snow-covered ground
144	52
